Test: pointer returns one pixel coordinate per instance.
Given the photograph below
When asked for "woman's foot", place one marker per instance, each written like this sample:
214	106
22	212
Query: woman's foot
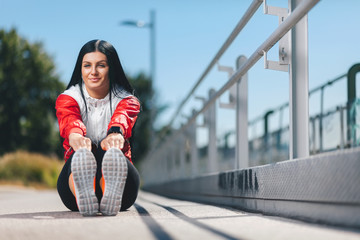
83	168
114	170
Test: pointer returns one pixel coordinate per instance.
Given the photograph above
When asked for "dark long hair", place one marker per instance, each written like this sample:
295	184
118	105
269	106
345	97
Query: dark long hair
117	76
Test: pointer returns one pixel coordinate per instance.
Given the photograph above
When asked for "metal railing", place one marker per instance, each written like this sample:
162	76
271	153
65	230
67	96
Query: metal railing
176	155
241	24
268	141
327	133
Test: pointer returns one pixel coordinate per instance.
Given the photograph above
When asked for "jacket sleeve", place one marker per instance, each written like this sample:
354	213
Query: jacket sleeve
69	116
125	115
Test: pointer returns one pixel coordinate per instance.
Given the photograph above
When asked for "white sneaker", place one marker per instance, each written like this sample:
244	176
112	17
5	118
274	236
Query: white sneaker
114	170
83	168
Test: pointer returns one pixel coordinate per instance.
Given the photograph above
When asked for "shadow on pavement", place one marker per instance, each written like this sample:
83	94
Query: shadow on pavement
43	215
154	227
193	221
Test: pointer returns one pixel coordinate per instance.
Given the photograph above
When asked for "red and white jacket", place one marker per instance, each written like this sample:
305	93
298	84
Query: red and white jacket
97	120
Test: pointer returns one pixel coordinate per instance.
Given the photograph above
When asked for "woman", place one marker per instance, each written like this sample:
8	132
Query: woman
96	114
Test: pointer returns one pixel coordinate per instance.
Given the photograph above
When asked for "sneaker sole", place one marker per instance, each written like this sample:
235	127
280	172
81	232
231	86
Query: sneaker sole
83	168
114	170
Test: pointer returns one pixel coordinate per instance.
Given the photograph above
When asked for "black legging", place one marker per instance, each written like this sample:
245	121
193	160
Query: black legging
130	191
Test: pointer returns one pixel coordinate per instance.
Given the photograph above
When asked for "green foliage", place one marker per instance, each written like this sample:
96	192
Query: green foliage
142	129
28	90
30	169
141	140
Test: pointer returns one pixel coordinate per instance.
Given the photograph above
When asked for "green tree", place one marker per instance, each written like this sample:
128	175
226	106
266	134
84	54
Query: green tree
142	130
141	140
29	87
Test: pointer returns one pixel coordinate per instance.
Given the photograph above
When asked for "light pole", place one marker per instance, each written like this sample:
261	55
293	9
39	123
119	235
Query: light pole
151	26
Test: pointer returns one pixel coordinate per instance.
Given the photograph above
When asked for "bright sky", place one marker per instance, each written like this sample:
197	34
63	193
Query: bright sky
188	35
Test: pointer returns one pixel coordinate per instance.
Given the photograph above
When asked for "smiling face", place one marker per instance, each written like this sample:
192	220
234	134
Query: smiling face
95	74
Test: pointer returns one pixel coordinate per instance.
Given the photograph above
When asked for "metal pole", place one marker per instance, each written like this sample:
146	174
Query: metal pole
152	28
351	96
267	153
342	141
152	70
212	147
181	147
194	149
321	119
313	135
152	46
242	139
299	90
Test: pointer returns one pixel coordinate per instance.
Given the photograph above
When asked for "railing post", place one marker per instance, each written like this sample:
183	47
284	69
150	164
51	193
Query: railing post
162	173
168	160
299	90
321	116
181	146
266	148
351	96
211	124
194	150
172	162
342	141
313	137
242	140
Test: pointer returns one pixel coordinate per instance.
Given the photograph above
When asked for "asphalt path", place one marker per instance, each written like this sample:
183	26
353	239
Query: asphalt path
39	214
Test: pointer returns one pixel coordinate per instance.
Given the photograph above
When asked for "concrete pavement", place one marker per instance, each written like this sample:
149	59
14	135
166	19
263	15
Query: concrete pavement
39	214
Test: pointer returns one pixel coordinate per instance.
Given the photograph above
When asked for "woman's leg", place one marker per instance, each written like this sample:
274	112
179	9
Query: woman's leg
63	188
99	154
131	187
66	184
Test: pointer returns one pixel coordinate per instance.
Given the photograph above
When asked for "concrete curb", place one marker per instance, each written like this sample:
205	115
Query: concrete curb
323	188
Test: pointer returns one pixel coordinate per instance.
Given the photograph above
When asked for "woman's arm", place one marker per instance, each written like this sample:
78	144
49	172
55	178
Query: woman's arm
71	127
125	115
124	119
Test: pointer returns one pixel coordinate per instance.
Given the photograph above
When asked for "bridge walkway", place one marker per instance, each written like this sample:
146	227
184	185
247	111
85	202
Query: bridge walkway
39	214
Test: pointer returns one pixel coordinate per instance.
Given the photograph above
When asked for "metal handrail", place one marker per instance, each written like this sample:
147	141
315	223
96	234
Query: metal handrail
299	12
241	24
327	83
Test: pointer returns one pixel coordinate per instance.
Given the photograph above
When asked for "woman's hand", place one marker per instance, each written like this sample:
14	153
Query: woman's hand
113	140
78	141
